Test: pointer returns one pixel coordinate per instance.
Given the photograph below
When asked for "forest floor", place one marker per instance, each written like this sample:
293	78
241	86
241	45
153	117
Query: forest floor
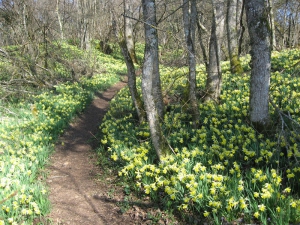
80	191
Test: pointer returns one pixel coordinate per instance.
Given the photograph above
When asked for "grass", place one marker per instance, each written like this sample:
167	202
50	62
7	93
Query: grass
224	171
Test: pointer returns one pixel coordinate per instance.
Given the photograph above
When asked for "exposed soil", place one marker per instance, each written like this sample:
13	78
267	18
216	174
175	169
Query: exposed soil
75	194
80	191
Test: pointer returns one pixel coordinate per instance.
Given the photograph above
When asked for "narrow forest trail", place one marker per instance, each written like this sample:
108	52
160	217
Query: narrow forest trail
75	193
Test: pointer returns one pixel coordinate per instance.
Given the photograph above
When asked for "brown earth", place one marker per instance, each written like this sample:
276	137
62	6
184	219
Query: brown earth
80	192
72	172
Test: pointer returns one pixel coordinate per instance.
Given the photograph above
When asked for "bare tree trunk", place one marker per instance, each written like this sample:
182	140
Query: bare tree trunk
25	18
189	20
232	36
84	24
242	27
137	101
129	34
151	79
151	47
201	30
257	20
289	44
296	28
272	23
59	21
284	40
203	34
214	76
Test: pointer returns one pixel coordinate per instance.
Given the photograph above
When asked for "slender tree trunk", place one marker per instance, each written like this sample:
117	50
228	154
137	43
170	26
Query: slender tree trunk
119	35
85	25
272	23
284	40
137	101
59	21
232	37
214	76
25	16
201	30
296	28
189	20
257	20
289	37
242	27
88	24
151	79
129	34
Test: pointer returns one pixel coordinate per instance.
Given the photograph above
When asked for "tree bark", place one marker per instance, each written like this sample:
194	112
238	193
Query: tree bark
151	47
214	76
151	79
284	24
59	21
137	101
85	25
129	34
296	28
257	20
232	36
272	23
242	27
189	21
201	30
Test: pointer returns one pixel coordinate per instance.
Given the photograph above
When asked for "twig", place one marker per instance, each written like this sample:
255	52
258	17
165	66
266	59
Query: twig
3	52
170	147
59	176
284	124
94	136
9	111
10	196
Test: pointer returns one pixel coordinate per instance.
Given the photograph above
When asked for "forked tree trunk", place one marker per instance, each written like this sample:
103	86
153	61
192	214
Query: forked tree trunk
189	20
257	20
151	79
232	36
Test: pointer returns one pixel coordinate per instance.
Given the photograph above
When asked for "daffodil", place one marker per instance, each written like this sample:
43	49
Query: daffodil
262	207
206	214
256	214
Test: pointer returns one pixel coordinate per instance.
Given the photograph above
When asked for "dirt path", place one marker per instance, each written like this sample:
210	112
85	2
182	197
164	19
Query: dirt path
74	193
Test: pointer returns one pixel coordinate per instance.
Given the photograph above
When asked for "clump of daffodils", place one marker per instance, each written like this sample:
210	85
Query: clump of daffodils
223	169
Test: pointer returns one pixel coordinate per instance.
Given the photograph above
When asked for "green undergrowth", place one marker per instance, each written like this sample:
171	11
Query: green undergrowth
225	171
29	128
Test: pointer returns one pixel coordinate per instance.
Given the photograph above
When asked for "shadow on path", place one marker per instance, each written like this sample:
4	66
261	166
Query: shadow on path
72	171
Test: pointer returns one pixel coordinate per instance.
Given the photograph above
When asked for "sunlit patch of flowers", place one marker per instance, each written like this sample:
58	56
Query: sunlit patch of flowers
27	136
224	169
